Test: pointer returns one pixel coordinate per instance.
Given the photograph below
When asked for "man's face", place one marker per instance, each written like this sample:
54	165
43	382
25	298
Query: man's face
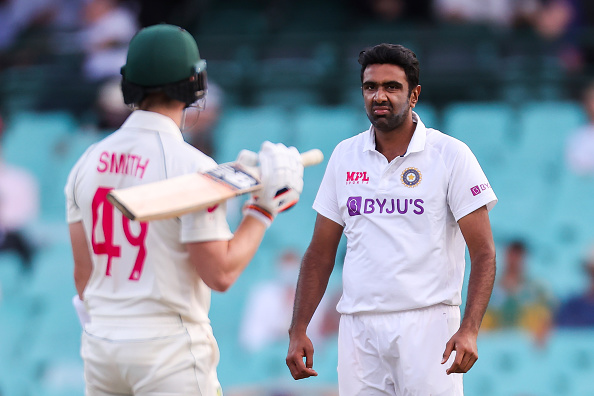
385	92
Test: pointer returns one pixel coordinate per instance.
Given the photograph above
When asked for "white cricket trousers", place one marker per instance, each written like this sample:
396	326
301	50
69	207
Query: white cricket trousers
149	356
398	353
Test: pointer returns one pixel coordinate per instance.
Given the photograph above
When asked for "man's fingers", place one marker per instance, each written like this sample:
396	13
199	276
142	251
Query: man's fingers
469	359
455	367
448	351
308	358
300	369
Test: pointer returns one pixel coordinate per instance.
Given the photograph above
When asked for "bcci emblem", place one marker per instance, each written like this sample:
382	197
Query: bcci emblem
411	177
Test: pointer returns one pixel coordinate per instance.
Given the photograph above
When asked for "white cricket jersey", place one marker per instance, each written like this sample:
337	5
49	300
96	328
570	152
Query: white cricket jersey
405	249
141	269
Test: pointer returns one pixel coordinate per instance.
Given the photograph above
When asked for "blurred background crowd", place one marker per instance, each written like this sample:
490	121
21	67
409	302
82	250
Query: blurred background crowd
514	79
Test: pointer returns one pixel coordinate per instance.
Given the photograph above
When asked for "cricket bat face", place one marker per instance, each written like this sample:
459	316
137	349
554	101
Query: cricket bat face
193	192
184	194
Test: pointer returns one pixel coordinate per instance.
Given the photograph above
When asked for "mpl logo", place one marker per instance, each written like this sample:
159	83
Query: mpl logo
479	188
357	178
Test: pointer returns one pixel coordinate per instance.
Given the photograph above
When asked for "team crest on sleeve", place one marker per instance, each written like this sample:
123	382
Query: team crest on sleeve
411	177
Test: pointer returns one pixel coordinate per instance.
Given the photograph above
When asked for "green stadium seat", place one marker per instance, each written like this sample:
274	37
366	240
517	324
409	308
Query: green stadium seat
288	98
247	128
36	141
11	275
484	127
544	128
507	365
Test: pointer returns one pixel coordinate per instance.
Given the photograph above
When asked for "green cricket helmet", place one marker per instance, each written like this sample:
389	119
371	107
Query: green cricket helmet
163	58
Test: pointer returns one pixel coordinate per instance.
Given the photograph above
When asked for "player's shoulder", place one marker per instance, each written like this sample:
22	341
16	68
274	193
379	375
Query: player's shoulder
182	157
447	146
349	145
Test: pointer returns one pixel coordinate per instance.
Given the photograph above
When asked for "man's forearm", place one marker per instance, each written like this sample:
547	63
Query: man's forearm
312	283
480	286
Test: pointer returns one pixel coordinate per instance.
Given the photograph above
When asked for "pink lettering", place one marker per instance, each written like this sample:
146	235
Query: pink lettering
102	161
143	167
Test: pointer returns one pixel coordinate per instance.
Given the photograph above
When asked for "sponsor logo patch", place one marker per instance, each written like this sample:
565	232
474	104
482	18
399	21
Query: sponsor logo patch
411	177
479	188
357	206
354	206
357	178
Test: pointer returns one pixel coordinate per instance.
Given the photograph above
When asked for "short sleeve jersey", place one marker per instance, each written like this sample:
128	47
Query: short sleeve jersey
141	268
405	249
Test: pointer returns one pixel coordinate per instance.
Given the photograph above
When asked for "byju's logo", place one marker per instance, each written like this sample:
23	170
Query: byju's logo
358	205
476	190
354	205
357	178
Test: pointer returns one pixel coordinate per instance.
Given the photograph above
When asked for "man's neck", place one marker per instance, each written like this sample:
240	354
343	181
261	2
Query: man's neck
174	113
395	143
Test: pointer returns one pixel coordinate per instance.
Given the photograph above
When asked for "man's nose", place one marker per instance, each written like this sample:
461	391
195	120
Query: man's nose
380	95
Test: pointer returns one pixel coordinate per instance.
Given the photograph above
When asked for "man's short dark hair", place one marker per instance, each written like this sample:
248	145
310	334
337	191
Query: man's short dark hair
393	54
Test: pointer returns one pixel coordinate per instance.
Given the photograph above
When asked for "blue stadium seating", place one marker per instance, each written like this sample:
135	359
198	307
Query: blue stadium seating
484	127
242	128
521	150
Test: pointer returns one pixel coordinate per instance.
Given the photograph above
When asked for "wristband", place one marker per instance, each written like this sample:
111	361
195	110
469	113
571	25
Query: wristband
81	311
258	213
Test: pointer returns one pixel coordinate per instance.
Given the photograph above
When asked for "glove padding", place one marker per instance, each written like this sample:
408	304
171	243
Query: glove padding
281	173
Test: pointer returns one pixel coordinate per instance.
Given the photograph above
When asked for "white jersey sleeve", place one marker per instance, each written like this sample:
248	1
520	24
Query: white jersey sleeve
468	187
73	210
206	225
326	202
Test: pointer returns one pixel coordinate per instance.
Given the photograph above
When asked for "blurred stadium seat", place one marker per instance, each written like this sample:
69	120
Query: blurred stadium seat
247	128
484	127
36	142
543	129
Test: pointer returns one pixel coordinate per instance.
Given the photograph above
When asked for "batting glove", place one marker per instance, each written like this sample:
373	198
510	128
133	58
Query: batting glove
281	172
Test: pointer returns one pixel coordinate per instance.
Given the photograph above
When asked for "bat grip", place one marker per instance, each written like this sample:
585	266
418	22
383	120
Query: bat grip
312	157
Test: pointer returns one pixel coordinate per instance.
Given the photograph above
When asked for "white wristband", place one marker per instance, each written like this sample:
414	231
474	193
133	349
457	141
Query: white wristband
258	213
81	311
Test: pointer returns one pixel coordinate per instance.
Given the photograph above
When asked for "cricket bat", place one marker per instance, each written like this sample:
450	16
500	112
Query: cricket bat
193	192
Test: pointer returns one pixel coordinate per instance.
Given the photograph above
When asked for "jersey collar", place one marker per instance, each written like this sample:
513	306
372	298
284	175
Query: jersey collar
151	121
417	143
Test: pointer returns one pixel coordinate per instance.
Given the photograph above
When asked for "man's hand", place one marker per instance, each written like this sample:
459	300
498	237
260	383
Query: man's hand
464	343
300	347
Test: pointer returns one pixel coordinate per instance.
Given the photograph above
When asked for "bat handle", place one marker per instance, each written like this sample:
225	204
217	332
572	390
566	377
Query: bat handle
312	157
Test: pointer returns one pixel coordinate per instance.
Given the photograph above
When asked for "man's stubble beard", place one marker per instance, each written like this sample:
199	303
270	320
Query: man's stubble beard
391	121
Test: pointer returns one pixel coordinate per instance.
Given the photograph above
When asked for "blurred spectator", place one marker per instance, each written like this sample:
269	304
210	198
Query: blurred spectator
19	205
394	10
109	28
580	145
199	125
182	13
503	13
565	23
24	28
269	309
578	311
554	18
518	301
